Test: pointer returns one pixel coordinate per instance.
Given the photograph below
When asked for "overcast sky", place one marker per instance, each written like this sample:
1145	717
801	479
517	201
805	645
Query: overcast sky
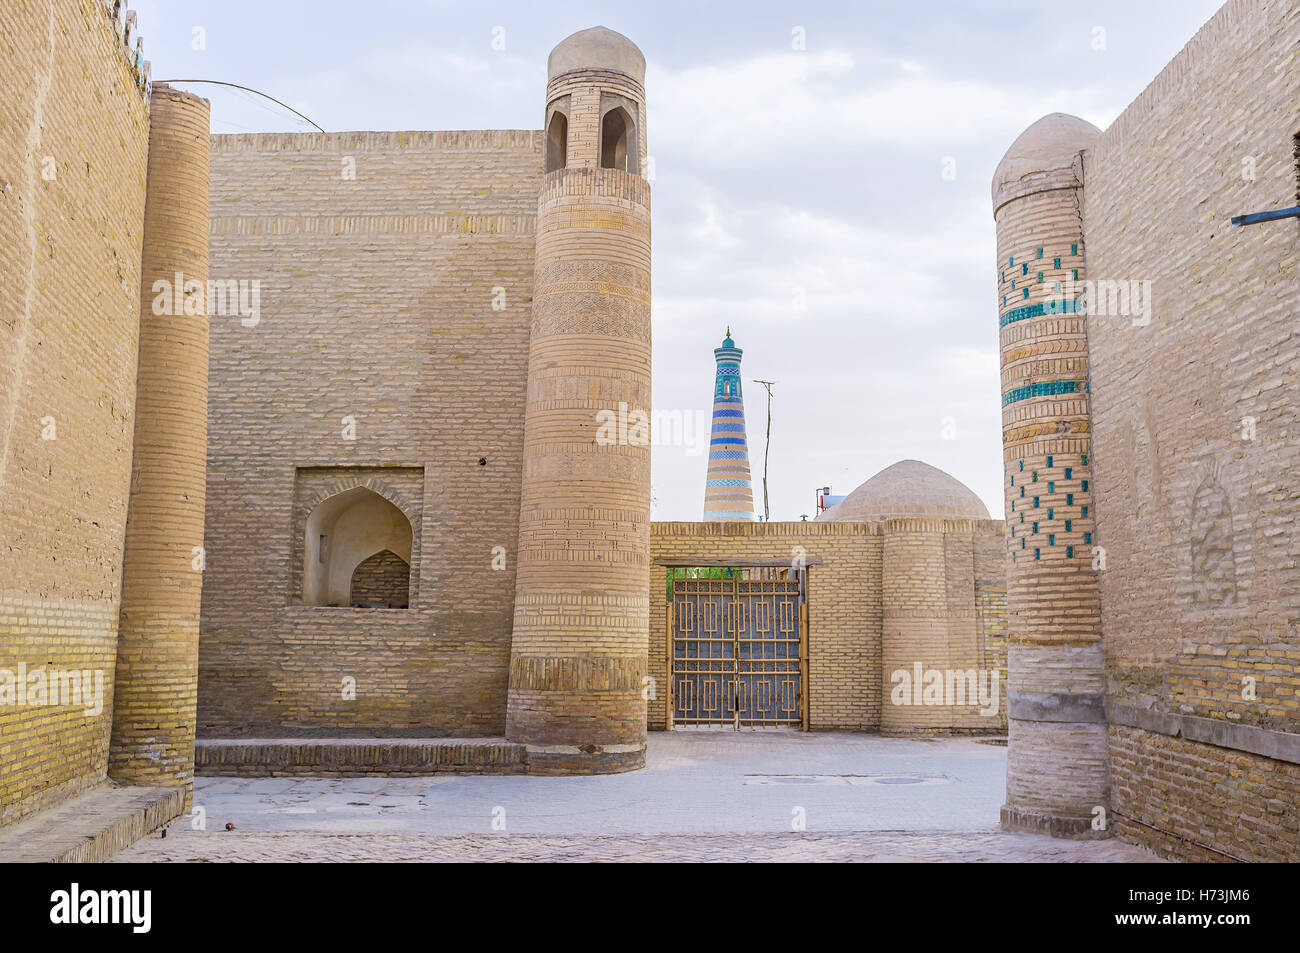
781	174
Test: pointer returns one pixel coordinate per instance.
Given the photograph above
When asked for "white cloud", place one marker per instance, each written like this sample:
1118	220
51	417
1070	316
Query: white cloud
775	104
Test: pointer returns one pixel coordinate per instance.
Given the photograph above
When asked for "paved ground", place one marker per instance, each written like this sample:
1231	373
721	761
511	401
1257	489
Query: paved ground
877	847
702	796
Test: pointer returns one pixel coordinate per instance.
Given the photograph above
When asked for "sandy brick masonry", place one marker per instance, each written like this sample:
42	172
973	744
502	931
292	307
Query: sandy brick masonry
1056	759
386	757
1196	437
74	131
158	637
436	324
860	628
578	653
377	304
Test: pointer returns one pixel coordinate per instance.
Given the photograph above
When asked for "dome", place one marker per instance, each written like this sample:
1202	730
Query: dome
1050	143
908	488
597	48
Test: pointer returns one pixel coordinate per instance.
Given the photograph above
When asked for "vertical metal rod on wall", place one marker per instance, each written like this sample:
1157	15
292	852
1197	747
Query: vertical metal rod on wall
730	619
767	444
669	661
803	665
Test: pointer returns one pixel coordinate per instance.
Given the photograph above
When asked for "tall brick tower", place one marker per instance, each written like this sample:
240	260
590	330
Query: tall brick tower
728	491
578	651
158	637
1056	758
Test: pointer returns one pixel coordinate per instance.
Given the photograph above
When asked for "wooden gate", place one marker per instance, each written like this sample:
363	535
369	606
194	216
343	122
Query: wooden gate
738	652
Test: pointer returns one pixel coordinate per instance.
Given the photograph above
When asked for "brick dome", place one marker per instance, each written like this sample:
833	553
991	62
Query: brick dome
597	48
908	488
1050	143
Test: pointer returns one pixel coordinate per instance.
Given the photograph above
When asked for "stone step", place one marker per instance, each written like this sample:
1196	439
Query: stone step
90	827
351	757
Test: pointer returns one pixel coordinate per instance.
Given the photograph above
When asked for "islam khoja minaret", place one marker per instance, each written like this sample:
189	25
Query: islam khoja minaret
728	493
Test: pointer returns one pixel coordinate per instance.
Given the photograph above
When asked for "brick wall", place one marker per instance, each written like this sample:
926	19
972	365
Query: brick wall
848	680
844	605
380	256
1197	514
382	580
1201	802
73	147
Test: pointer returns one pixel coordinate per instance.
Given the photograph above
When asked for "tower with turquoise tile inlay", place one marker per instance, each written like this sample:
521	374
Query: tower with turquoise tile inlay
728	491
1057	775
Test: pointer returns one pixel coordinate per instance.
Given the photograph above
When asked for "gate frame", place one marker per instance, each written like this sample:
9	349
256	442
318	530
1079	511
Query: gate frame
742	564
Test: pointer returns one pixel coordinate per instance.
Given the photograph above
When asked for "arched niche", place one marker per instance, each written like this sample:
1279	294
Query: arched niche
557	141
618	144
343	532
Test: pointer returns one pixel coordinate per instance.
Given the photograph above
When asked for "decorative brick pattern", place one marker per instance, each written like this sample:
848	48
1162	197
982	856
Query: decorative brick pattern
578	653
1056	768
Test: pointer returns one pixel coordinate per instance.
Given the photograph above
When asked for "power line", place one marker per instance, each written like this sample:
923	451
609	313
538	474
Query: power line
248	89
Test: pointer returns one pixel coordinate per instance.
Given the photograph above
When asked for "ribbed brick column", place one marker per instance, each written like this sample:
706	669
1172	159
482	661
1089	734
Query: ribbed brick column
158	639
578	653
1056	758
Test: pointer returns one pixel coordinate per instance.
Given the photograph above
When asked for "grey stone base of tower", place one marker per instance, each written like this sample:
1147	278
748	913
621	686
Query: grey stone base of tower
1057	771
1054	825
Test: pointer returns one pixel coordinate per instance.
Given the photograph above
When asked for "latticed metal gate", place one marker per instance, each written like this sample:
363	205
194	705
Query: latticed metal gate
738	652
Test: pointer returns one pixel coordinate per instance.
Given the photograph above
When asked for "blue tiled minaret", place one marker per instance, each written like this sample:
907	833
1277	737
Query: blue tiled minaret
728	494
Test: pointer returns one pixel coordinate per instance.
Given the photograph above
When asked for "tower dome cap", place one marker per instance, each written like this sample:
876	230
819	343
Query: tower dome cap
1050	143
597	48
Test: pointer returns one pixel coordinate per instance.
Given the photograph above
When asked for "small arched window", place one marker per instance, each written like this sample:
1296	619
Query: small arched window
618	148
557	142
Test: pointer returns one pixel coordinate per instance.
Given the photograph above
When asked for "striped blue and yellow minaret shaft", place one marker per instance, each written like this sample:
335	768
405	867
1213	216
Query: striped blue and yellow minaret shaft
728	493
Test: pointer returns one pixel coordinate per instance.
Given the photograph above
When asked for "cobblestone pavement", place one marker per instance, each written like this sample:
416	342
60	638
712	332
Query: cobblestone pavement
873	847
702	796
